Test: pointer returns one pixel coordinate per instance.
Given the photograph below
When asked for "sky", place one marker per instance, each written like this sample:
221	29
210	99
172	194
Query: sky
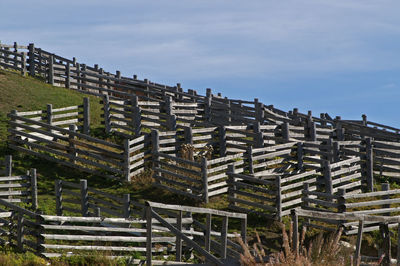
339	57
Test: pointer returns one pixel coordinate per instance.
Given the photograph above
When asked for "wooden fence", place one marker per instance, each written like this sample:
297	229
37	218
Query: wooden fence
18	188
275	195
215	247
74	149
162	233
383	202
196	179
361	220
69	73
11	57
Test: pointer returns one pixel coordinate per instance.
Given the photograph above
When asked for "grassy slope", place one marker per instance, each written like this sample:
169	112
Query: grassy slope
26	94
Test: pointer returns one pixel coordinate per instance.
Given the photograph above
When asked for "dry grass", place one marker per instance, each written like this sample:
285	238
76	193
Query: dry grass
321	250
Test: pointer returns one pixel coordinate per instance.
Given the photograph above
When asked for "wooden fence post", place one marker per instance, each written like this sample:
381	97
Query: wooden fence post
68	75
369	164
31	59
341	200
323	119
84	198
72	146
8	162
23	64
357	257
127	205
7	60
58	191
8	170
20	232
312	131
259	111
328	177
249	155
259	140
49	115
204	179
33	176
78	74
285	132
364	119
398	244
107	122
188	135
39	231
336	151
339	129
300	155
228	111
278	199
178	244
296	118
224	234
169	109
295	237
155	142
127	160
243	230
222	141
86	116
51	70
207	108
136	116
15	56
385	233
149	236
231	184
304	204
83	80
207	233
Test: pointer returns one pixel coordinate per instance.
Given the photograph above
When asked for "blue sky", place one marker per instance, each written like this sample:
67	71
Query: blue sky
340	57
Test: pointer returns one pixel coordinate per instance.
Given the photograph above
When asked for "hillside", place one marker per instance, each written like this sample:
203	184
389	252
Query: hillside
27	93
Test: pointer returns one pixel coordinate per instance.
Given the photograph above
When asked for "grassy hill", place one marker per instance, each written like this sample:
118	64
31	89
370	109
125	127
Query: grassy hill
27	94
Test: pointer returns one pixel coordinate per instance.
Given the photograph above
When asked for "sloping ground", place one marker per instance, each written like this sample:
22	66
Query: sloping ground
27	94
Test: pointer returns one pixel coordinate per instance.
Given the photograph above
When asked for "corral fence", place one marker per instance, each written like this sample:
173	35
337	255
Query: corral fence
384	202
69	73
18	188
361	219
69	147
163	233
276	195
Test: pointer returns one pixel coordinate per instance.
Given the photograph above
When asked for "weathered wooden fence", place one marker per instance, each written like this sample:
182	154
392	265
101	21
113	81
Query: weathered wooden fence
74	149
274	195
361	219
215	247
18	188
196	179
11	57
221	111
162	233
383	202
